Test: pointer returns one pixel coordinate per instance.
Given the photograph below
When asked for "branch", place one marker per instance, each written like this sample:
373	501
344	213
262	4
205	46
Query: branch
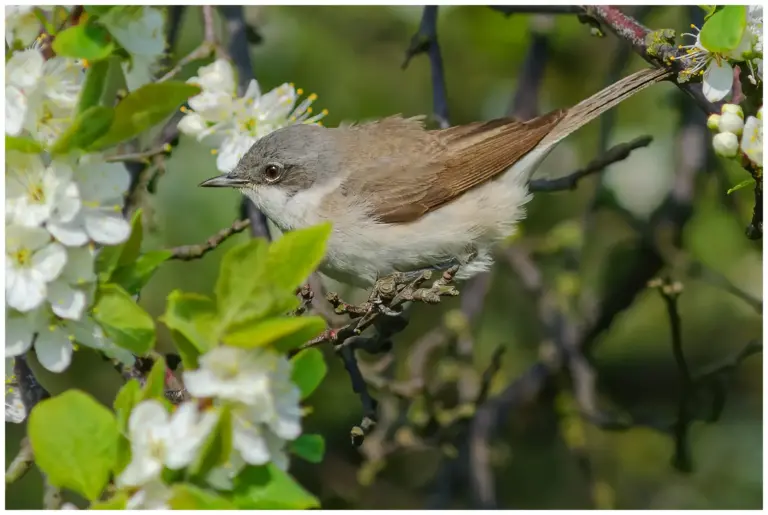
613	155
241	58
425	40
21	463
190	252
656	47
525	102
209	45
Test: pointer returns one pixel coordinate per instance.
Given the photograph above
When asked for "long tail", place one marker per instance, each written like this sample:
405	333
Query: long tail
589	109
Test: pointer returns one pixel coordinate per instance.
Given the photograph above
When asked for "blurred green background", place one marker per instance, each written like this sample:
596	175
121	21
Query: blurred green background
351	57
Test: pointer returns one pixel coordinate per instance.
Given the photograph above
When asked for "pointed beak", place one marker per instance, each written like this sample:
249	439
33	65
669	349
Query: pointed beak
224	181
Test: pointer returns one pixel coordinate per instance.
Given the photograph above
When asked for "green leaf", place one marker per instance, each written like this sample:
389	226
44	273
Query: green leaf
723	30
187	352
93	87
116	502
87	127
269	488
144	108
241	275
128	396
25	145
709	10
743	184
194	317
285	333
308	370
154	388
297	254
189	497
217	448
309	447
124	321
133	277
87	40
74	440
112	256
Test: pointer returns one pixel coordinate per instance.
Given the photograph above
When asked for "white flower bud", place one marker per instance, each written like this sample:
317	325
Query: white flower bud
713	122
726	144
730	122
192	124
733	109
752	140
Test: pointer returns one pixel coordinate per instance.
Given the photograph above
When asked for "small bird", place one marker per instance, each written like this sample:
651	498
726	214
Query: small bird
402	198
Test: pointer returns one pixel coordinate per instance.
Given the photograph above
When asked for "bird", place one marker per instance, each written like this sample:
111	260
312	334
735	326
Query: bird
404	198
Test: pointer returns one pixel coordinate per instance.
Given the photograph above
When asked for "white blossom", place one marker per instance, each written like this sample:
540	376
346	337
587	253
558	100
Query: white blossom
159	439
35	193
730	122
21	24
231	124
53	338
32	261
264	400
726	144
72	292
752	140
23	72
102	186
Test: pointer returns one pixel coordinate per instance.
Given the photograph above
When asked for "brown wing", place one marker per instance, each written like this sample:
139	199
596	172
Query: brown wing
411	171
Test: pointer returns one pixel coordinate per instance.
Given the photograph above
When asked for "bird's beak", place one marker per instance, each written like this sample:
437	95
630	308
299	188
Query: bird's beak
224	181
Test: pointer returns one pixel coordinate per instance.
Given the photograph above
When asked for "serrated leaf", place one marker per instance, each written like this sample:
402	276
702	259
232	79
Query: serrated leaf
128	396
87	40
154	388
217	448
743	184
112	256
189	497
20	144
93	87
134	276
723	30
74	440
269	488
194	316
309	447
145	108
309	369
125	322
87	127
283	334
297	254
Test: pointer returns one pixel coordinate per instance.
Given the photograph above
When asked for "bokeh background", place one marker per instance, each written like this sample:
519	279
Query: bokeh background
351	57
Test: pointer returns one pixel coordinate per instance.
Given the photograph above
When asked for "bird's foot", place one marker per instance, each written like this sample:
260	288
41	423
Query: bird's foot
392	290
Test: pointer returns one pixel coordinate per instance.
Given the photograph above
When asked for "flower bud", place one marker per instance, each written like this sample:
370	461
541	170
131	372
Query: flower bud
730	122
713	122
734	109
726	144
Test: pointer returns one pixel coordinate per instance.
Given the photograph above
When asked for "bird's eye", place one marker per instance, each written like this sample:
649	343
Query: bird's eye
272	172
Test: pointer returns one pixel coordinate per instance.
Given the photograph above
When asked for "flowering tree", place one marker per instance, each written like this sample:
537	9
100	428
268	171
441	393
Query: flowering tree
89	94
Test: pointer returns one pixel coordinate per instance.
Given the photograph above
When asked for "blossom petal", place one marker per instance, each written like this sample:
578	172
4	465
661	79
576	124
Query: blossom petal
15	110
80	265
49	261
100	181
147	414
24	289
19	333
66	302
107	226
232	150
192	124
53	349
71	234
249	440
718	80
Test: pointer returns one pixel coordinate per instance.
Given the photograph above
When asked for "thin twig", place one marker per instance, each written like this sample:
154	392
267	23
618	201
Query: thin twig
209	45
21	463
614	154
142	157
52	499
425	40
190	252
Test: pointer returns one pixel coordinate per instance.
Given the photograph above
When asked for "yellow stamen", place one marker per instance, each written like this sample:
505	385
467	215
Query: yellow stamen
184	109
86	63
325	112
312	97
214	151
299	91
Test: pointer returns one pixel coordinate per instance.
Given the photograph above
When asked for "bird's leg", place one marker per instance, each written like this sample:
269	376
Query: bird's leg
405	286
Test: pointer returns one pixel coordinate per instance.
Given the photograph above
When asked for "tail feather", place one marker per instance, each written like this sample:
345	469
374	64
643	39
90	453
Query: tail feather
589	109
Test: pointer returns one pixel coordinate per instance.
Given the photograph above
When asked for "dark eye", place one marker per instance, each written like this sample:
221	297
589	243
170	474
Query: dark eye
272	172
